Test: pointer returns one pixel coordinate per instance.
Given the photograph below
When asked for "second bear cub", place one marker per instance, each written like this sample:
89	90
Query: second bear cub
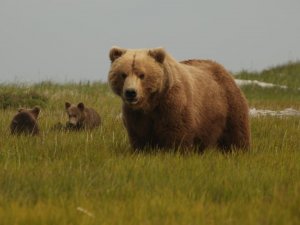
81	117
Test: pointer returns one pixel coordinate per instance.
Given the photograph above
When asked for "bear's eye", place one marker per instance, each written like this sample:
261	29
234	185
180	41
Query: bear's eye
123	75
141	76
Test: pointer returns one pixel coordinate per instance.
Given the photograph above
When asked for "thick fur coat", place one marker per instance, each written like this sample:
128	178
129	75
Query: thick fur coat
168	104
81	117
25	122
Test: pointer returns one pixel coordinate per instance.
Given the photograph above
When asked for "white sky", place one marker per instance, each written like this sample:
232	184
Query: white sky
69	40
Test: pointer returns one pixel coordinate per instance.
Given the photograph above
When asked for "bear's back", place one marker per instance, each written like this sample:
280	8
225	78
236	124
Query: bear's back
92	119
216	72
214	69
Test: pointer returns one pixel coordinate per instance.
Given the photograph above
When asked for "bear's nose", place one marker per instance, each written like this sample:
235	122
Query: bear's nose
130	94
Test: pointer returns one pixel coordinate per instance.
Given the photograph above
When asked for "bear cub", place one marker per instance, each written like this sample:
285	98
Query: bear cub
25	122
81	117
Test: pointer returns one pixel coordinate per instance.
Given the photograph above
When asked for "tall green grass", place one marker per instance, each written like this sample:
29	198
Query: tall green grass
96	178
272	98
43	180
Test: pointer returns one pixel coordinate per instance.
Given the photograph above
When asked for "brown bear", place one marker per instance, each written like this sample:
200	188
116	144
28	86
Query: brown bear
81	117
168	104
25	122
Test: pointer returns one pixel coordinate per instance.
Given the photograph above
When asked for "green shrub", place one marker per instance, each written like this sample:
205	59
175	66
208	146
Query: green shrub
21	98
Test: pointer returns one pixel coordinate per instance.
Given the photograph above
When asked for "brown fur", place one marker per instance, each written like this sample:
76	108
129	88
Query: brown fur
194	102
81	117
25	122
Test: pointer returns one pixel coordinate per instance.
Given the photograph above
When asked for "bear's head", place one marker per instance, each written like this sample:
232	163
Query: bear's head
25	121
75	113
34	112
138	76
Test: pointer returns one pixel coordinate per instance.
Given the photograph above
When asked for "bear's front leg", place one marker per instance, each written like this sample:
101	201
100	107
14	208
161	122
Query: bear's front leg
138	127
174	131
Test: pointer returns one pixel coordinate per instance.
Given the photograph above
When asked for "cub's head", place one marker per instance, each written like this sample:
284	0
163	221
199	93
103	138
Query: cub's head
75	113
34	112
25	121
137	76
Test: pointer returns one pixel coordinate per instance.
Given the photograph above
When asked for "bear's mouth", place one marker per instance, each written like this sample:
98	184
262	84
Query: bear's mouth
131	101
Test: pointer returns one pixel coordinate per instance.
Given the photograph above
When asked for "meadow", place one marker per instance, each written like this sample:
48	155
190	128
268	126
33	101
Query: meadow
95	178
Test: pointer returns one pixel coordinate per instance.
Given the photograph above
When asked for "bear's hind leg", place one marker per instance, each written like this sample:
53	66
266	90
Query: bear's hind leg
236	134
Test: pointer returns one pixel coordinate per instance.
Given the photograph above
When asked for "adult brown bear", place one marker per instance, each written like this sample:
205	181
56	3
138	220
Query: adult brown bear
171	104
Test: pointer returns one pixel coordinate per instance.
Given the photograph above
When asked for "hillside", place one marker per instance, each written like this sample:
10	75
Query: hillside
286	74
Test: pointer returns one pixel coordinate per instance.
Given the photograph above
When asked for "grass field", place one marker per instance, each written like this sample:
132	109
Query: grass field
95	178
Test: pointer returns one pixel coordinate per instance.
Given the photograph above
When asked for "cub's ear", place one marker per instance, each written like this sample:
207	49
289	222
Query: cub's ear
20	109
80	106
67	105
158	54
35	111
116	52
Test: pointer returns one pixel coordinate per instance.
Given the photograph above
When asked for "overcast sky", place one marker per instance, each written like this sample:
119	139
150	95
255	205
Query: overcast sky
69	40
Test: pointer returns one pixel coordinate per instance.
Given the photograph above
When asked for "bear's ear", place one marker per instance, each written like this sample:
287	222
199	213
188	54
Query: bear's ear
67	105
158	54
20	109
116	52
80	106
35	111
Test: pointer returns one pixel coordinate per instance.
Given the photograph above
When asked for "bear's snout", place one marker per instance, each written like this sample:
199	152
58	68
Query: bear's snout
73	120
130	95
131	89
